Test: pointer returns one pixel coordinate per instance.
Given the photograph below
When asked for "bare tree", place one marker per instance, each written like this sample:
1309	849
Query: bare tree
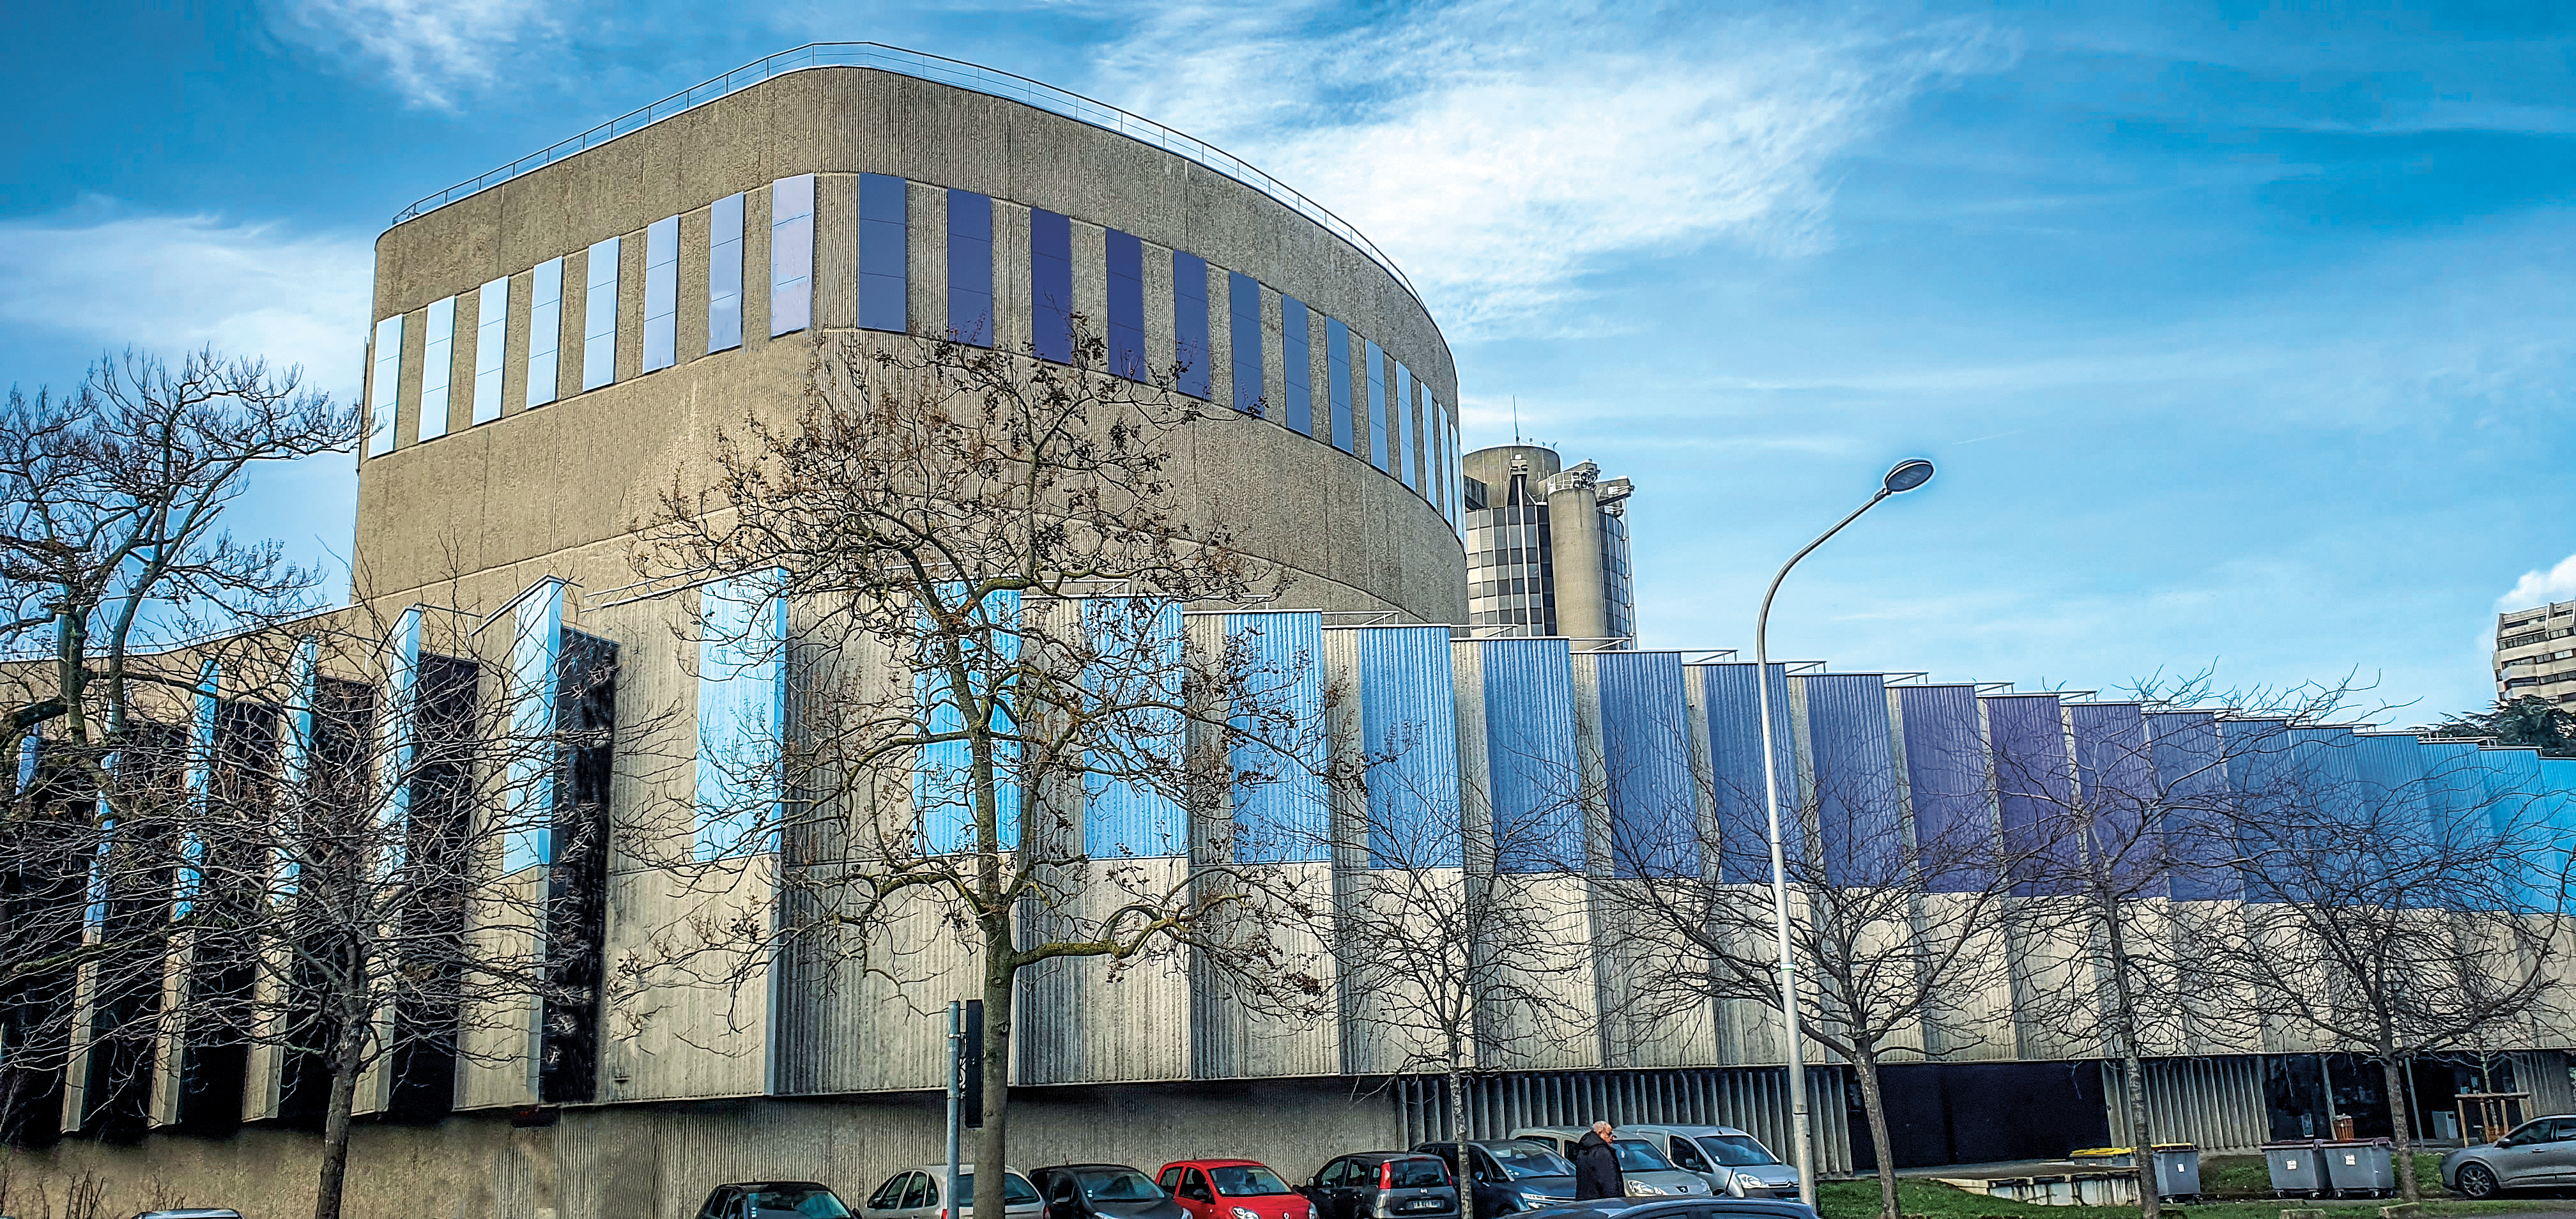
2394	908
975	566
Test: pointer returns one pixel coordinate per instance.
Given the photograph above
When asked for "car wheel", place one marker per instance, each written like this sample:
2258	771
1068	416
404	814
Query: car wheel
2476	1182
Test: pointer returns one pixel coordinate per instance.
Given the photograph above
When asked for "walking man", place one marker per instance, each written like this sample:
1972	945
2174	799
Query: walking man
1596	1166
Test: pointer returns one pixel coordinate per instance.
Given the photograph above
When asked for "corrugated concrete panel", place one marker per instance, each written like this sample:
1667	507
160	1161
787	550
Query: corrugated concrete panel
1538	1002
862	1007
695	1020
1533	781
1948	788
1409	743
1088	1020
1240	1031
2115	785
2186	757
1729	695
2034	786
1280	806
2215	1103
1652	801
1857	818
1134	688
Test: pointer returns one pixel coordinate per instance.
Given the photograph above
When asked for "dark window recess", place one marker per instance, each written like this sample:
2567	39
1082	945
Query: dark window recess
1051	285
423	1062
1126	306
1243	339
344	731
215	1057
1474	490
1189	323
577	883
1337	372
35	1008
1296	359
970	268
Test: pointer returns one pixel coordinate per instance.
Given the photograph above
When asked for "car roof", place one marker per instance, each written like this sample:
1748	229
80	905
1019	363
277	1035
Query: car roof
938	1170
1433	1146
1694	1131
1214	1162
1415	1154
778	1184
1114	1167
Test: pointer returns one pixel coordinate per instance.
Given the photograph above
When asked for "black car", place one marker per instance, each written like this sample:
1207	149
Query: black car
1384	1185
779	1199
1507	1176
1678	1208
1107	1191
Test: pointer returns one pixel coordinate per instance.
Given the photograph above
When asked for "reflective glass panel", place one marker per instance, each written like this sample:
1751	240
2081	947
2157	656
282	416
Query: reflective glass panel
662	294
1400	431
1243	339
599	317
1295	357
491	347
970	267
791	254
1126	306
883	303
1051	285
545	329
724	274
1337	371
437	366
1190	323
384	388
1376	371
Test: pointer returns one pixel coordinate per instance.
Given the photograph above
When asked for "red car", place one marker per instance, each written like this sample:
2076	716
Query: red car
1232	1189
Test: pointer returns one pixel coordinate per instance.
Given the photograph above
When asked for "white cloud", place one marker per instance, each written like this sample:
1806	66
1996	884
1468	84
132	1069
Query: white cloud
1500	151
169	283
2537	587
428	50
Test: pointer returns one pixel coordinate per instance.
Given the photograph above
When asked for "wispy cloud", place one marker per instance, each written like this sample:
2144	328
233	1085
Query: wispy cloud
429	50
2537	587
169	283
1501	151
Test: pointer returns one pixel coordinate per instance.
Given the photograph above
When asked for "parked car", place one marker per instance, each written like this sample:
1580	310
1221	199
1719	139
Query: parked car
751	1199
1732	1162
1110	1191
921	1193
1384	1185
193	1212
1232	1189
2538	1154
1677	1208
1505	1176
1645	1170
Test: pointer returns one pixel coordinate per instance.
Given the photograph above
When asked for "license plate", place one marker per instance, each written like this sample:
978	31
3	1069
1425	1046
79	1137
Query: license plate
1415	1206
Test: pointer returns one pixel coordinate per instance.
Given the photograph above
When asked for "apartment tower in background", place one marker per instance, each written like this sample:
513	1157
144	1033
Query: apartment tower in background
1547	547
2535	655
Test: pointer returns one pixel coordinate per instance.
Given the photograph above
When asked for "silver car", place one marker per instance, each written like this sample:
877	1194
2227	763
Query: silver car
1733	1162
920	1193
2539	1154
1644	1170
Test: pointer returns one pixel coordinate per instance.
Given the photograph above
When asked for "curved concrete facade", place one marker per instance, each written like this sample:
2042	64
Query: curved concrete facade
503	502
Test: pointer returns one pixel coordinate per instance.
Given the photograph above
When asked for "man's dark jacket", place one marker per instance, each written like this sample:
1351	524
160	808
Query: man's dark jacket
1596	1168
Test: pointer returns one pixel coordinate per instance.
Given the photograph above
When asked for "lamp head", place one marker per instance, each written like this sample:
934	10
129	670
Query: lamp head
1908	474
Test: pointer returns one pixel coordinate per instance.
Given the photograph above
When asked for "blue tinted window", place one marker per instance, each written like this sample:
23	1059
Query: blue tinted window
742	702
599	318
1376	405
970	268
1189	323
1051	285
724	274
1243	336
491	347
662	294
1126	306
384	389
1337	370
1294	353
883	273
1399	427
545	329
791	254
437	365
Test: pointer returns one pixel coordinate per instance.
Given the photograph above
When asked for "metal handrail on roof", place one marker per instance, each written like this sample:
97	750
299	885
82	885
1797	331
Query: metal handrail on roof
937	69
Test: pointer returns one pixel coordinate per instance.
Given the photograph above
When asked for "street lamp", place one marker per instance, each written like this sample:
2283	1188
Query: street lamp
1906	476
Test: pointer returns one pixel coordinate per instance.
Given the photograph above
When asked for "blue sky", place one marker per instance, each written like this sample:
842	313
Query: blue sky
2242	332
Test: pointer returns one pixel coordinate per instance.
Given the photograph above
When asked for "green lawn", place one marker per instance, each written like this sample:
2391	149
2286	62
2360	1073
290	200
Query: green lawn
2242	1181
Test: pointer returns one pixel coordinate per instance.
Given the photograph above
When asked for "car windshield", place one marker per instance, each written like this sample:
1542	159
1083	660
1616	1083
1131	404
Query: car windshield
1637	1155
1522	1159
1117	1185
1422	1173
1736	1150
1247	1181
810	1201
1016	1190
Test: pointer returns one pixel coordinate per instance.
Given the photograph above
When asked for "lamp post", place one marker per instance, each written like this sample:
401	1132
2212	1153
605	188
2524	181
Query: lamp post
1906	476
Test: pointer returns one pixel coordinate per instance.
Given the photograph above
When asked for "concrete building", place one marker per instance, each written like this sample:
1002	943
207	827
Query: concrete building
560	340
1547	547
2535	653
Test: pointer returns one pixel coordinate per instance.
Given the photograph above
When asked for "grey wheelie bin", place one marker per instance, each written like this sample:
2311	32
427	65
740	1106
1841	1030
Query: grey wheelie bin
2177	1171
2296	1172
2358	1168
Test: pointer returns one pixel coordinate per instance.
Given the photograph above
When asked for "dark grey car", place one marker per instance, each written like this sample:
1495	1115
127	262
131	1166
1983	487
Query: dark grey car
1506	1176
1384	1185
774	1199
1102	1191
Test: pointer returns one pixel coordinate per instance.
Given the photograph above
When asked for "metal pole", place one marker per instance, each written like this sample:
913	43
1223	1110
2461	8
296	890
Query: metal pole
956	1103
1799	1137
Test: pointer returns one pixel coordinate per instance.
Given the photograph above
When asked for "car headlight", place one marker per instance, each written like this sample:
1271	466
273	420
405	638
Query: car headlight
1639	1189
1746	1182
1244	1212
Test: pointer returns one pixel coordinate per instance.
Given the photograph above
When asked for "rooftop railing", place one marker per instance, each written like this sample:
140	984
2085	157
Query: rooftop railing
920	65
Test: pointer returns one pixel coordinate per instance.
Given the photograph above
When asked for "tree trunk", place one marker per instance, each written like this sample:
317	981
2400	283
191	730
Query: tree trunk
1874	1103
335	1128
2401	1123
2142	1145
1458	1134
992	1144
